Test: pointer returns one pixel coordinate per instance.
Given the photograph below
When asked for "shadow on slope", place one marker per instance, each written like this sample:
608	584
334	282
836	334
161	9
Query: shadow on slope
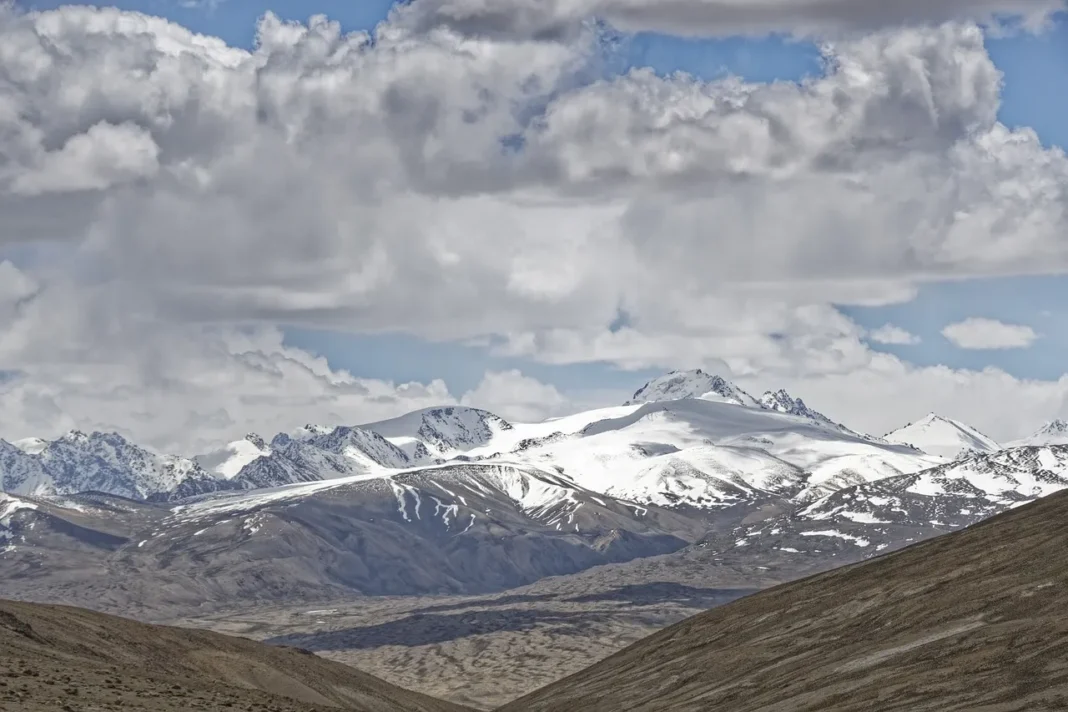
428	629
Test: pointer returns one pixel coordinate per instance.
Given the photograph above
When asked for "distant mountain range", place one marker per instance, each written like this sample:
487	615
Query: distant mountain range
679	444
456	499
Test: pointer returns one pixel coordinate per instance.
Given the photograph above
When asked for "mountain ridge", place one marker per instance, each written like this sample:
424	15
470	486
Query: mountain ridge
679	469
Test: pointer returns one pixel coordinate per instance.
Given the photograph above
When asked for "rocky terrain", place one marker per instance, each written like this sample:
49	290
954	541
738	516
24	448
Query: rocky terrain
969	621
55	659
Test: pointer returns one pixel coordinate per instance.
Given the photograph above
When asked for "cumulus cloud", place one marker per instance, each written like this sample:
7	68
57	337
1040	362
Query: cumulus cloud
177	195
105	155
985	334
187	390
895	335
516	397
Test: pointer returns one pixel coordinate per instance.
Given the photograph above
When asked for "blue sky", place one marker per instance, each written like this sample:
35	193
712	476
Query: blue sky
1035	95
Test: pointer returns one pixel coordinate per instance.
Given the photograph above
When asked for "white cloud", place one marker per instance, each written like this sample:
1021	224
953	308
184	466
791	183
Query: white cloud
516	397
890	334
189	194
978	333
187	390
104	156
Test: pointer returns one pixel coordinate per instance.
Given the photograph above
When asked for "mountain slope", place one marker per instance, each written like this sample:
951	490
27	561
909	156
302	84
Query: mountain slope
57	658
943	437
460	528
969	621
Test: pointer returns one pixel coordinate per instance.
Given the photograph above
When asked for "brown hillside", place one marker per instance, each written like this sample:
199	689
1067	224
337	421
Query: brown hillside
974	621
59	658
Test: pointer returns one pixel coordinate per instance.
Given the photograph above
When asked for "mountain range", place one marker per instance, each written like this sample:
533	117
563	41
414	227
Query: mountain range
676	441
458	500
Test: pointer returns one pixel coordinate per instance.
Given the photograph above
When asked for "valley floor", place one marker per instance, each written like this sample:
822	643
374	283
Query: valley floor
484	651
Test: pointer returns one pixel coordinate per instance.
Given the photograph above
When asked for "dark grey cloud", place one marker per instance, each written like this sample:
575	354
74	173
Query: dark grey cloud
561	18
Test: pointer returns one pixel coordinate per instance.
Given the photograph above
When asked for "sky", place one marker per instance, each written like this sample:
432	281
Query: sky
232	216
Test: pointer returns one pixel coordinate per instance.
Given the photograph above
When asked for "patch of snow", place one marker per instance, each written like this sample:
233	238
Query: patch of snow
859	541
862	518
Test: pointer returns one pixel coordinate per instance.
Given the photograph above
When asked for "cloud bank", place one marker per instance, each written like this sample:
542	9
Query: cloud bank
558	18
168	203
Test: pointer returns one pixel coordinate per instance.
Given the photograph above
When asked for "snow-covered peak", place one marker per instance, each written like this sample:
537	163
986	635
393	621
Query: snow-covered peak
783	402
445	430
1054	432
943	437
682	385
104	462
75	437
311	431
31	446
256	441
363	446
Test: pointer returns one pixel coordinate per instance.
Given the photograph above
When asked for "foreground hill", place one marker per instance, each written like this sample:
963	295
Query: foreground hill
969	621
56	658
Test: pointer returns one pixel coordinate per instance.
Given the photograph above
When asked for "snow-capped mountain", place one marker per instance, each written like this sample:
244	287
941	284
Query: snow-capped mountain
686	440
943	437
368	448
681	385
1054	432
80	462
712	454
440	432
457	499
718	450
783	402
